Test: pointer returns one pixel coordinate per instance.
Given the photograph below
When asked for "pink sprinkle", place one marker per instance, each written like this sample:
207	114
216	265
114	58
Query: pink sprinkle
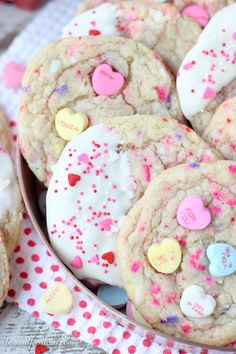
216	210
231	202
186	328
155	289
156	302
162	93
106	224
209	93
135	266
209	280
147	173
188	66
234	36
232	168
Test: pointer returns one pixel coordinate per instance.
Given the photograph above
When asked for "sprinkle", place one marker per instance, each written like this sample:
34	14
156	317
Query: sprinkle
170	319
135	266
209	93
62	89
186	328
194	165
232	168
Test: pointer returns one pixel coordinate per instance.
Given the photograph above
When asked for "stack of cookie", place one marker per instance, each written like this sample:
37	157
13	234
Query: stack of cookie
10	207
136	198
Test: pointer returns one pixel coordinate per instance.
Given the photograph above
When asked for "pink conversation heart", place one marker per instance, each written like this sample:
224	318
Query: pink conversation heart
197	13
106	224
13	74
209	93
192	214
77	262
106	82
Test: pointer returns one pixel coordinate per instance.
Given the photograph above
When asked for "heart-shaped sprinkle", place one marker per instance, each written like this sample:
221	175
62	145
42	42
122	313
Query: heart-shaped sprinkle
192	214
69	124
196	303
166	256
40	349
13	74
83	158
209	93
77	263
112	295
109	257
106	82
57	300
222	257
73	179
106	224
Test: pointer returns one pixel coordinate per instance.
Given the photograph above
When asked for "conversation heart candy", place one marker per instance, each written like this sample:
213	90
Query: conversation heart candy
192	214
69	124
106	82
57	300
166	256
196	303
222	258
197	13
113	295
13	74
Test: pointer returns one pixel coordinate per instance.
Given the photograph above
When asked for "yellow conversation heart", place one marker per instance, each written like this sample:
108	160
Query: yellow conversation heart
69	124
166	256
57	300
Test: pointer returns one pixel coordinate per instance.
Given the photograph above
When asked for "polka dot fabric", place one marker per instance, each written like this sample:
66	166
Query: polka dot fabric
34	268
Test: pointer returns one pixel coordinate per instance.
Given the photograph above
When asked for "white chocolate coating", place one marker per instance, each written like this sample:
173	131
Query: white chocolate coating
210	65
84	219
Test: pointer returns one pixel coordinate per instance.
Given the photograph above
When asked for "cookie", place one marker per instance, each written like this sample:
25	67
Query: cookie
161	27
4	131
4	271
177	253
100	175
94	77
221	131
207	74
10	202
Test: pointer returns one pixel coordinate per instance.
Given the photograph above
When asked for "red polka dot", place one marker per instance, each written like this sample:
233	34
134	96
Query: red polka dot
96	342
11	293
116	351
126	335
23	275
58	279
82	304
27	231
55	268
35	258
20	260
71	321
55	324
106	324
26	286
87	315
91	330
17	249
131	349
35	314
167	351
31	243
146	343
38	270
102	312
77	289
75	334
111	339
43	285
31	302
